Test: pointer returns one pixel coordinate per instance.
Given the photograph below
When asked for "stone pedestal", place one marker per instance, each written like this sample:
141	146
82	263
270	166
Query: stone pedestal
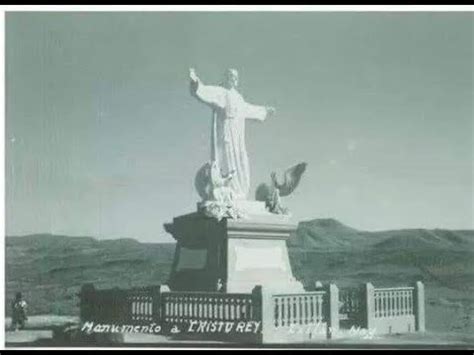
238	253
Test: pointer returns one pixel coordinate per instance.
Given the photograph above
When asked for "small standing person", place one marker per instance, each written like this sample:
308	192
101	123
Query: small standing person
19	316
229	113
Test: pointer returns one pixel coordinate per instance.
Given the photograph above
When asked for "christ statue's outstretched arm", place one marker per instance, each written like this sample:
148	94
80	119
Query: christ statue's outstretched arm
210	95
257	112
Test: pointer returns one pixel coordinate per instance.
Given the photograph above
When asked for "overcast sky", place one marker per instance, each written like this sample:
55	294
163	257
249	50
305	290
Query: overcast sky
103	138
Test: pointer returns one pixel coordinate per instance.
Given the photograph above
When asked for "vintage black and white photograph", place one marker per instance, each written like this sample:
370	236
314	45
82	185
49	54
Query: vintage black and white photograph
252	178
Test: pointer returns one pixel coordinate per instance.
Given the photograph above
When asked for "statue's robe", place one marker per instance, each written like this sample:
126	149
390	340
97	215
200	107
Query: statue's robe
230	111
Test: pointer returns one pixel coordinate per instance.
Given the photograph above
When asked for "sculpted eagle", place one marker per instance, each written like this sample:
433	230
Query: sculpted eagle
271	193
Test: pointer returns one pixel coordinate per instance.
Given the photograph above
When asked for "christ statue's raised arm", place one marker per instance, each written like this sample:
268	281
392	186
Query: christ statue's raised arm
210	95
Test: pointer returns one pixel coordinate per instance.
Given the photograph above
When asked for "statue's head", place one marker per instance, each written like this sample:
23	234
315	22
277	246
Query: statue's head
231	78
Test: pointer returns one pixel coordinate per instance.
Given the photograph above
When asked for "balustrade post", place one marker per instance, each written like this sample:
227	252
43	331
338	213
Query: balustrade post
256	303
162	306
267	315
332	310
369	305
261	311
87	302
123	306
156	304
113	309
419	306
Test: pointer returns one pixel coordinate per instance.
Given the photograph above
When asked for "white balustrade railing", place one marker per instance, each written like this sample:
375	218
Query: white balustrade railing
182	307
301	309
393	302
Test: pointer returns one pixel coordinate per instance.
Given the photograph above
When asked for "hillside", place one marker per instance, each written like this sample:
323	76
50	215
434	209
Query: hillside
330	234
49	269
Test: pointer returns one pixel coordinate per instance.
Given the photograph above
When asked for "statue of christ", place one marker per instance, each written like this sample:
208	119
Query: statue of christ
229	112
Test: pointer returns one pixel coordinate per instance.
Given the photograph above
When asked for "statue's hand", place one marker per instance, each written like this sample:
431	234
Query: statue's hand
270	110
192	75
